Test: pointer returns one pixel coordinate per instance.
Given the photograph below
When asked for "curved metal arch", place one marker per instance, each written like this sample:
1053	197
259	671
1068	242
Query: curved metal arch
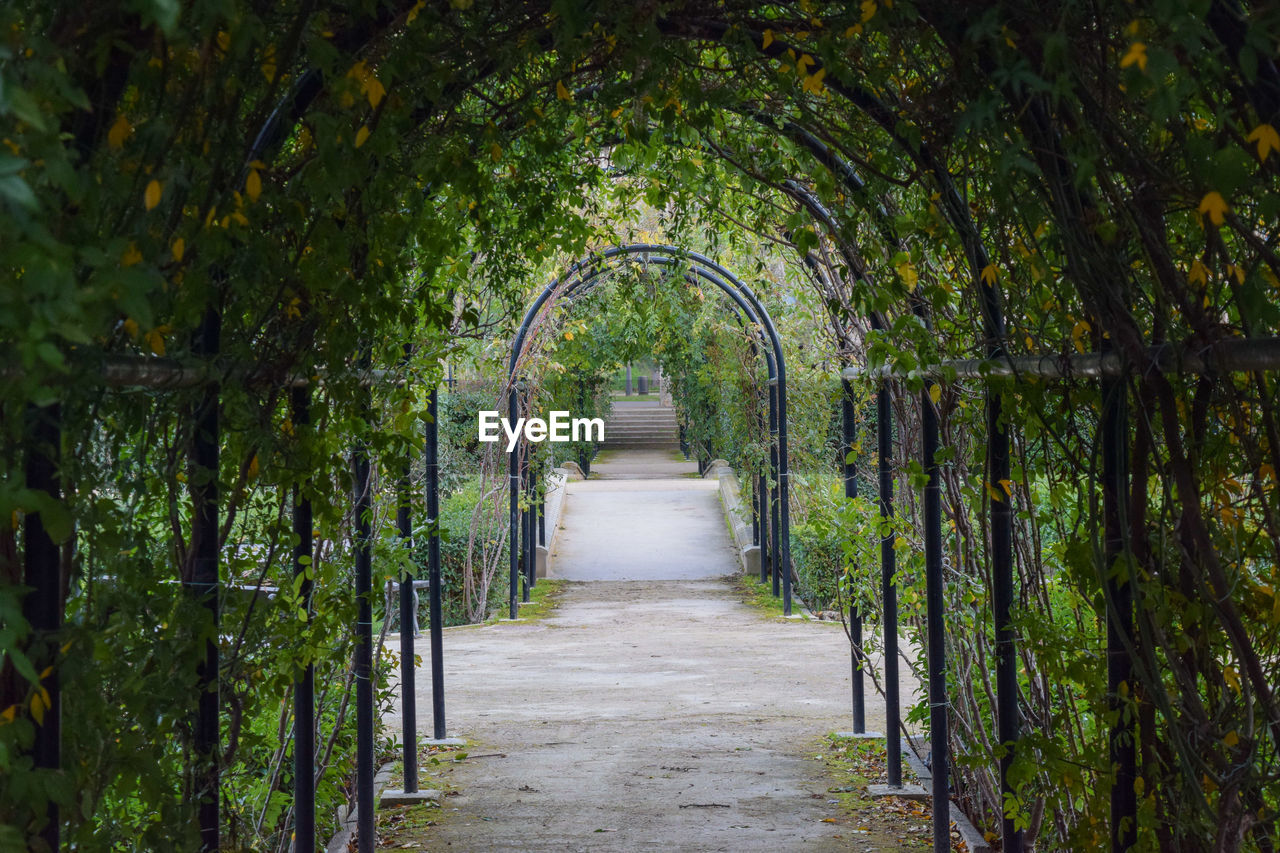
584	286
742	295
766	521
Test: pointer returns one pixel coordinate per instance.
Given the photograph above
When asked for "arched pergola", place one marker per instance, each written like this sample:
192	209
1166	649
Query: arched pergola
581	278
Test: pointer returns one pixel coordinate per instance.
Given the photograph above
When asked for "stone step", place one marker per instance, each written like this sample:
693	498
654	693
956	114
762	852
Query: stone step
646	419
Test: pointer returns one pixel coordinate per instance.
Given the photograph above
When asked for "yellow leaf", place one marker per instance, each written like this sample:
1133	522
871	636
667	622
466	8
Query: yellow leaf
155	340
9	714
1199	273
1137	55
909	274
131	256
868	10
935	393
253	467
224	40
1231	739
1215	207
990	273
151	197
1267	138
1007	485
495	152
413	13
813	83
374	91
767	40
119	132
361	136
178	249
1232	678
131	327
39	704
253	185
46	672
562	92
568	336
1078	331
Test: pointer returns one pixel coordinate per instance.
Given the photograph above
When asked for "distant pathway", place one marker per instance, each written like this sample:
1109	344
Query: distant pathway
653	710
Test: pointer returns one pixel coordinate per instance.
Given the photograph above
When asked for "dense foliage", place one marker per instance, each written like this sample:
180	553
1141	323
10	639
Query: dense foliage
333	179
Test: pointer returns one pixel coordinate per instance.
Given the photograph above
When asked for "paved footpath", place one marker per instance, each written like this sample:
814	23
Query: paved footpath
652	709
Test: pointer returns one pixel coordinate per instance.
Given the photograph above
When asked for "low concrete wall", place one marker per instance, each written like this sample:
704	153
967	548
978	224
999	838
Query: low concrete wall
556	482
737	513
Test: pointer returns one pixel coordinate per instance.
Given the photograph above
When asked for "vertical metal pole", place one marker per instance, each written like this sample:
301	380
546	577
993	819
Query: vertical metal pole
524	522
939	733
766	553
1002	602
304	689
531	523
363	547
784	489
408	614
203	586
542	506
856	656
889	588
43	605
435	611
755	511
1118	584
513	492
774	525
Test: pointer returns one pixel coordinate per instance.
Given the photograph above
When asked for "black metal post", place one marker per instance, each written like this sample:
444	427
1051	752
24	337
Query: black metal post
531	523
939	732
542	507
408	614
857	658
43	605
762	496
435	611
1002	602
524	523
513	492
363	548
755	511
1118	584
304	689
774	525
889	588
203	586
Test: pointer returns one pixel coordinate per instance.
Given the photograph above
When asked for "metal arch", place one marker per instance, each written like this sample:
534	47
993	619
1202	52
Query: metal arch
741	294
766	499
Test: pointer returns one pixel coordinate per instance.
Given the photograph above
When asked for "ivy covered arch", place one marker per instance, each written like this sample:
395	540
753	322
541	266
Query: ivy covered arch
1109	165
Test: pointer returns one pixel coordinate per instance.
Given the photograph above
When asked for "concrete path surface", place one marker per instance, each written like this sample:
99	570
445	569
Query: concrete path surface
653	709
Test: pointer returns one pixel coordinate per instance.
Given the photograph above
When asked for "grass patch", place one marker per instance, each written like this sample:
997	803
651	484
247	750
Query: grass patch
758	595
888	823
544	599
408	827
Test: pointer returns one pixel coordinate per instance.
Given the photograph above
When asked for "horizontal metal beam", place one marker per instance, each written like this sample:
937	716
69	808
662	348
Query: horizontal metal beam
1234	355
130	371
